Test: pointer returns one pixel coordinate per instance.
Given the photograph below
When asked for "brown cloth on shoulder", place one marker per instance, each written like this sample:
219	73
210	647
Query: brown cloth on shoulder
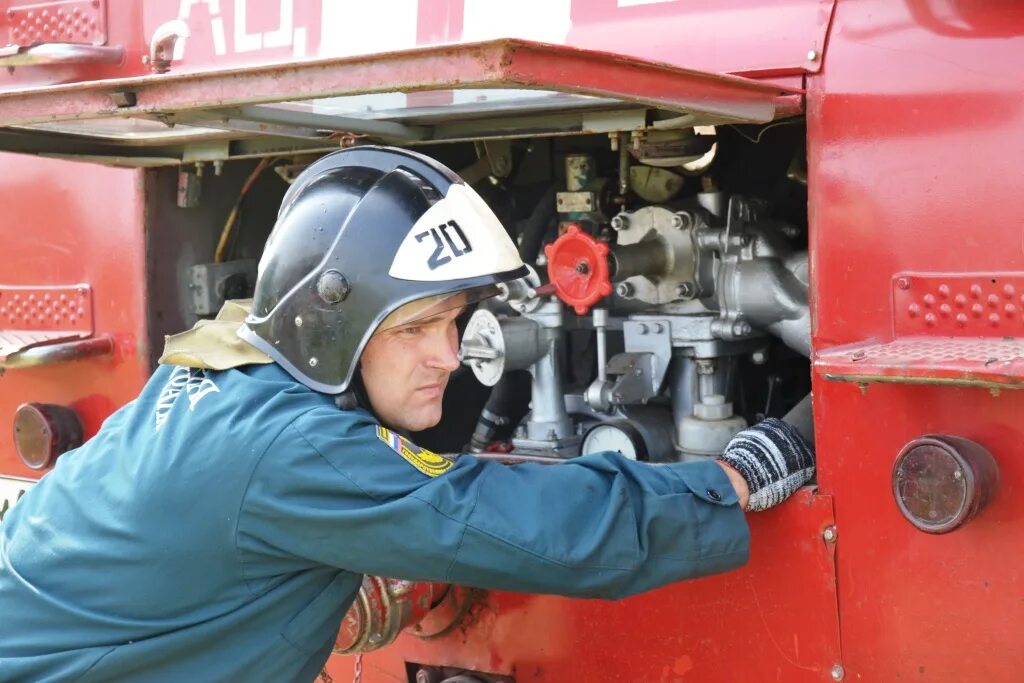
214	344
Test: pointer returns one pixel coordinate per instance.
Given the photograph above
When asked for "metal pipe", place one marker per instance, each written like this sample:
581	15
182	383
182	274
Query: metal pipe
801	416
683	382
623	164
62	53
649	257
548	417
58	353
601	327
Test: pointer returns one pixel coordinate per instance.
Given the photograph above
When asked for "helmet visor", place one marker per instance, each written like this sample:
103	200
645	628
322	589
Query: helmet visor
420	310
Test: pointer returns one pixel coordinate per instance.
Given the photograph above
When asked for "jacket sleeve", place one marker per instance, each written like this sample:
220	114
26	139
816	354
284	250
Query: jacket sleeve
335	490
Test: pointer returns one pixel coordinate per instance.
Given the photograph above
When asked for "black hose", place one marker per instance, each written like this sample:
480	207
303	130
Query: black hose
507	405
531	233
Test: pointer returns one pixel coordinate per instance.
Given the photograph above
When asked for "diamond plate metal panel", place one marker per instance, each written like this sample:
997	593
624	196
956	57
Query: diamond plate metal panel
80	22
985	362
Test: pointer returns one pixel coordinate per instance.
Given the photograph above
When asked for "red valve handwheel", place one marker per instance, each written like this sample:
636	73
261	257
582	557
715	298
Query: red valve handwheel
578	269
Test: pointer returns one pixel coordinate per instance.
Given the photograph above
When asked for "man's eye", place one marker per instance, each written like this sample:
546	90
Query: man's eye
410	331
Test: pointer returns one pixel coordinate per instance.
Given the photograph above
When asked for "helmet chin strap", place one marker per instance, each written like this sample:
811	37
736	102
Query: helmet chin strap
355	396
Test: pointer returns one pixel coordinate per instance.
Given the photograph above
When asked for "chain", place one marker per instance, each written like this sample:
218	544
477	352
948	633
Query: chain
324	676
358	677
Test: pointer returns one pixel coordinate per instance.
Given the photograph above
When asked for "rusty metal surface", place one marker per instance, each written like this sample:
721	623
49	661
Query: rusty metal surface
773	620
968	361
250	33
885	123
498	63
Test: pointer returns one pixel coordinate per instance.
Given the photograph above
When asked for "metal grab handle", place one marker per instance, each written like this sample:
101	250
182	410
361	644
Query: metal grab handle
59	53
49	354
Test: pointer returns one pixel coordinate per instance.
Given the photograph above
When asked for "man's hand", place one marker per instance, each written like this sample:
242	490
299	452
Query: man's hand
772	459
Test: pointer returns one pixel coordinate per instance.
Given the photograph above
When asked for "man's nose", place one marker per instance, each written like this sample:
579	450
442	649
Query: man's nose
444	352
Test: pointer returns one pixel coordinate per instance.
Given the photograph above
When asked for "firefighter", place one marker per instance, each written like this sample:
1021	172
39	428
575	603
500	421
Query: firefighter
217	527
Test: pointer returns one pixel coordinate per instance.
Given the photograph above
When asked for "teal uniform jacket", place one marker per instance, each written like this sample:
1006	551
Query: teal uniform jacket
217	527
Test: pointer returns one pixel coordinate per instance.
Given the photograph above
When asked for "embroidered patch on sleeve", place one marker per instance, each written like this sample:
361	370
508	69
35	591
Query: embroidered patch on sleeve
427	462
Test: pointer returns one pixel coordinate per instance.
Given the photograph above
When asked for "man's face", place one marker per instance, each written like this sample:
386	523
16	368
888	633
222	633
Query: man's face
405	370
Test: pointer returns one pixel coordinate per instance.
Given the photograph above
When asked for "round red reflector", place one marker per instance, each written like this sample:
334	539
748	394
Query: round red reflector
941	482
43	431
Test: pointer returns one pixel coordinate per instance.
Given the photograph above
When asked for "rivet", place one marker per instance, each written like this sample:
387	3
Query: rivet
903	282
958	475
829	534
838	672
312	362
812	55
298	321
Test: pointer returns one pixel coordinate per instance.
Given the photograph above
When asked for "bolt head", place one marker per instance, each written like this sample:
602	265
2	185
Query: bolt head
838	672
758	357
332	287
812	55
741	328
829	534
313	362
620	222
298	321
683	220
686	290
625	290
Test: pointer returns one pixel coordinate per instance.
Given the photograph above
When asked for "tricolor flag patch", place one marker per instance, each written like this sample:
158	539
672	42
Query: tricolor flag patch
427	462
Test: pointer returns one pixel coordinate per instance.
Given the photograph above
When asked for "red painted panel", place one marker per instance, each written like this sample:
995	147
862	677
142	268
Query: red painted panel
914	141
75	223
768	37
774	620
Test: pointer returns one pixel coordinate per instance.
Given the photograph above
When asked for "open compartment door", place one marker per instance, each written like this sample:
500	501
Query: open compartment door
494	89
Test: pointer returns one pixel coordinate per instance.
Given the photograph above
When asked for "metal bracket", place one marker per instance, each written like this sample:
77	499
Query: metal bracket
641	369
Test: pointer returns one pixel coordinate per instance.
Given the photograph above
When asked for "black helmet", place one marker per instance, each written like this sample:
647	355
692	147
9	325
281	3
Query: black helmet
360	234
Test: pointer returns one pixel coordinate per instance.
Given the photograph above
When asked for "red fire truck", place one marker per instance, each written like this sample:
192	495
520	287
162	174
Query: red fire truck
726	204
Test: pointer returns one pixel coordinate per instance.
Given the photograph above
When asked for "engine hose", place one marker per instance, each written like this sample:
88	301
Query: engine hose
508	403
535	225
801	416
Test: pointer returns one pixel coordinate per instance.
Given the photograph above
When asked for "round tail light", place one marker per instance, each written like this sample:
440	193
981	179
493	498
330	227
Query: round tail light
43	431
940	482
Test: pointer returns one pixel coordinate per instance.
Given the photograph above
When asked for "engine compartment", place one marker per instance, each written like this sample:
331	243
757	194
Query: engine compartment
667	306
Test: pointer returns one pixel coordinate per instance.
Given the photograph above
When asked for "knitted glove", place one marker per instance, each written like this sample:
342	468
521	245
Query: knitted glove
773	459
